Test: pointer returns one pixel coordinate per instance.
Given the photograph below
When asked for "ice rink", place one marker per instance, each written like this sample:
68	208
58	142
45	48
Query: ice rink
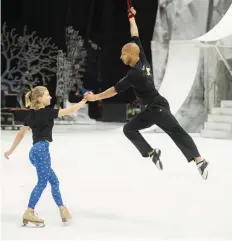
115	194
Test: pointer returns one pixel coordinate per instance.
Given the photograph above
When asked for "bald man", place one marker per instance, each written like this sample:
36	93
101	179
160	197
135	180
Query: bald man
157	110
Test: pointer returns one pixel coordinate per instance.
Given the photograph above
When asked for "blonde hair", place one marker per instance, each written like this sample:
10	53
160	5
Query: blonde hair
32	97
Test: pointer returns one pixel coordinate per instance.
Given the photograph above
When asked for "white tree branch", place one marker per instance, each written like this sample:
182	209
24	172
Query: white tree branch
29	58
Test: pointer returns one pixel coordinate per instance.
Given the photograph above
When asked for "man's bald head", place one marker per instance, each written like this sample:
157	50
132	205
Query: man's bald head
130	54
131	48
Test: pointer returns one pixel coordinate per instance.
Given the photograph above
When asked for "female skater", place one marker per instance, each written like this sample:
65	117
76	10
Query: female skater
41	121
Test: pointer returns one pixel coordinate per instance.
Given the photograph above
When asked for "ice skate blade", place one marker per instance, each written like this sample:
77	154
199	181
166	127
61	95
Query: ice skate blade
205	175
29	224
159	165
66	222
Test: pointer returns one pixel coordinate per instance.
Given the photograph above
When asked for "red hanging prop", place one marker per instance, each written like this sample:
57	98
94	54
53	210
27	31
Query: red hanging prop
129	6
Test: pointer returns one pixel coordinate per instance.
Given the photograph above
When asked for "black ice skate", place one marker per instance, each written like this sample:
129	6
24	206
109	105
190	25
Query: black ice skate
156	158
203	168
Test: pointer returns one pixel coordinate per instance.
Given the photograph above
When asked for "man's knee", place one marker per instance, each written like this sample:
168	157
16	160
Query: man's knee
126	130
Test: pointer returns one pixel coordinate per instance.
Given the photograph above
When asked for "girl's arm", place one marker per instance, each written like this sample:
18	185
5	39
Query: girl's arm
72	109
17	140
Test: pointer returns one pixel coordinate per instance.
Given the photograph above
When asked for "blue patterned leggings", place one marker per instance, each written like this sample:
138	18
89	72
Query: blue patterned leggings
40	157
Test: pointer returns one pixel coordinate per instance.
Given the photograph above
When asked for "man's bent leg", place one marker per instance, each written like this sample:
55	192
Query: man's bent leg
131	130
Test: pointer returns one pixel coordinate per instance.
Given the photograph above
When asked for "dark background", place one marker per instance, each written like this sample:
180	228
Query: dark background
103	21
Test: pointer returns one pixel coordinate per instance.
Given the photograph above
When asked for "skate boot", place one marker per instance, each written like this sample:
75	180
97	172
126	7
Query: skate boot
64	214
203	168
29	217
156	158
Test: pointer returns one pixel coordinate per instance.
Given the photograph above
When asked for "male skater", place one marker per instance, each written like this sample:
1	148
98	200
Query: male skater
157	110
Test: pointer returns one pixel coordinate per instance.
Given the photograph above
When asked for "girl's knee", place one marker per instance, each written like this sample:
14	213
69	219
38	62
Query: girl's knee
42	184
54	182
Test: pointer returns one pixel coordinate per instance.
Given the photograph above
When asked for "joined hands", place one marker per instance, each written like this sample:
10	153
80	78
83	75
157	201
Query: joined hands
89	96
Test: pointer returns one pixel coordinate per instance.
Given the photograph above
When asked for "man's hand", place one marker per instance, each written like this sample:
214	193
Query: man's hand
133	26
103	95
90	96
132	10
7	154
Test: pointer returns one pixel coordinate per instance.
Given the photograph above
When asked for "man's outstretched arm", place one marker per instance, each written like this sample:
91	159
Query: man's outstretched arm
104	95
133	26
121	86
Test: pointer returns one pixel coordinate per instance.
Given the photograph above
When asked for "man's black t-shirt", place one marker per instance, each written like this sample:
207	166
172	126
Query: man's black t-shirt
139	78
41	123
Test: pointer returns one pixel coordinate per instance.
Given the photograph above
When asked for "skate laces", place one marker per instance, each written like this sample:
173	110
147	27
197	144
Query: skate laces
34	213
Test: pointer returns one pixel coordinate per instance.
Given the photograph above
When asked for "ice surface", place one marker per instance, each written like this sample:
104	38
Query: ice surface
115	194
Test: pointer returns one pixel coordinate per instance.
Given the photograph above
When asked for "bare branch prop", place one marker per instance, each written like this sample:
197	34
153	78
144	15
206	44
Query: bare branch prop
70	65
29	59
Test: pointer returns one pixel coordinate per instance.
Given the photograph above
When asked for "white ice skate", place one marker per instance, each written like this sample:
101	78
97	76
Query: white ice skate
30	219
65	215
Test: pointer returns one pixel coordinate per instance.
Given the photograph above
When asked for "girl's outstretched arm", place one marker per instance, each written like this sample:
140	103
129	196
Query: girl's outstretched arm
72	109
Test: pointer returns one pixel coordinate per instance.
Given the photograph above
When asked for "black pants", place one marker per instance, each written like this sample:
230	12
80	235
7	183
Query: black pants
159	113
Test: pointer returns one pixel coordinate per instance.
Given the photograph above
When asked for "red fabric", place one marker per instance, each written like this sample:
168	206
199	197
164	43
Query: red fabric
131	15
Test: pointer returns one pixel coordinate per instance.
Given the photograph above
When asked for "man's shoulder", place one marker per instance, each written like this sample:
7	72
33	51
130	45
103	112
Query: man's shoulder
135	39
132	72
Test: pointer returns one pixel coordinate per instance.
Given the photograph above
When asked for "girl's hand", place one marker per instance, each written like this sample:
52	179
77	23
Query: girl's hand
7	154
